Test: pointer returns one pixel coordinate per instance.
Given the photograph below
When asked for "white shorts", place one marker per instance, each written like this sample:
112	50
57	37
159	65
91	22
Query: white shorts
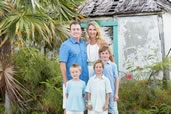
94	112
64	97
90	71
74	112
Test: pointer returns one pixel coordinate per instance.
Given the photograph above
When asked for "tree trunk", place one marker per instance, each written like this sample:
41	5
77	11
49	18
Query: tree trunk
7	103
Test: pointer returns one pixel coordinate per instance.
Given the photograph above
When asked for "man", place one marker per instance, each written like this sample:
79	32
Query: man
73	51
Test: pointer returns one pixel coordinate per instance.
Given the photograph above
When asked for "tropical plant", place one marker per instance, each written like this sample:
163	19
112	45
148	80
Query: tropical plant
37	23
38	20
9	86
42	78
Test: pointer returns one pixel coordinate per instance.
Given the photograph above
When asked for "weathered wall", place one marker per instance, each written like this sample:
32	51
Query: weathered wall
167	31
138	41
167	35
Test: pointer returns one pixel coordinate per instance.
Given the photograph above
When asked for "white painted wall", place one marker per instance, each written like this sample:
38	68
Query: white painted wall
167	34
167	31
138	41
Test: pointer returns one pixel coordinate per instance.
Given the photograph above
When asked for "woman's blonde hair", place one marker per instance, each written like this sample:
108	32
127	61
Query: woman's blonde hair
99	37
100	41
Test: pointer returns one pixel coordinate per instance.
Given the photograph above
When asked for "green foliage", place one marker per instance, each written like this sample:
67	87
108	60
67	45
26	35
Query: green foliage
42	78
38	21
53	95
139	97
161	109
34	67
143	111
2	110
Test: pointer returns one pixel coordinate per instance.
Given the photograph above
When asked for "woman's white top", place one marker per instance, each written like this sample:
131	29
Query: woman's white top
92	55
92	52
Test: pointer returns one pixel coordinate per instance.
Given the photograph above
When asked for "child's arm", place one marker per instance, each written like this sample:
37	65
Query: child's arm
107	101
89	106
67	90
84	87
67	95
116	89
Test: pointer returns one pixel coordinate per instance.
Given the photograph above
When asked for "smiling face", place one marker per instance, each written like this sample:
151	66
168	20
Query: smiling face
104	55
98	68
75	73
75	31
92	32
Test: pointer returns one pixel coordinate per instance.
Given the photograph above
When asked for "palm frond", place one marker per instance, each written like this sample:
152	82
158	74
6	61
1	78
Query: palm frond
25	4
15	90
25	25
65	10
4	8
38	20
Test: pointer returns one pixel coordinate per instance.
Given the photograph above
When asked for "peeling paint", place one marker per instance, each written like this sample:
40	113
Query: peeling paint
167	35
139	42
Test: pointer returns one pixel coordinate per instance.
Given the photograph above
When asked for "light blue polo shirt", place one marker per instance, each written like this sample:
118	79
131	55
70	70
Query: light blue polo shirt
98	87
72	52
75	91
111	72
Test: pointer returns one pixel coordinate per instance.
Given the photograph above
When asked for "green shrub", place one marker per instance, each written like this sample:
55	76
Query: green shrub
42	78
52	98
160	109
143	111
2	109
136	96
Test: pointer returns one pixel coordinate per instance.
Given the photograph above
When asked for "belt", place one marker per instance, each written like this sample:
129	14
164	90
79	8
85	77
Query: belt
90	63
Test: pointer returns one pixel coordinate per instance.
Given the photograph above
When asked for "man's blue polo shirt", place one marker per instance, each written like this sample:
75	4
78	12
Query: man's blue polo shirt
72	52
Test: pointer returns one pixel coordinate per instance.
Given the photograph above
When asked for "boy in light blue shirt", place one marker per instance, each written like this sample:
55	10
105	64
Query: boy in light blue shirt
75	90
110	71
98	89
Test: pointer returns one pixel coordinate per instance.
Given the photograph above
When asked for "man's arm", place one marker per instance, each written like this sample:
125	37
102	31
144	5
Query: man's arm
63	71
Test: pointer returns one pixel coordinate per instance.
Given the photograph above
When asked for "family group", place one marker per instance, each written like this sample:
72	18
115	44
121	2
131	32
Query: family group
90	76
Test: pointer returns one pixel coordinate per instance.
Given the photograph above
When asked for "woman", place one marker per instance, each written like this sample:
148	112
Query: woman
95	41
